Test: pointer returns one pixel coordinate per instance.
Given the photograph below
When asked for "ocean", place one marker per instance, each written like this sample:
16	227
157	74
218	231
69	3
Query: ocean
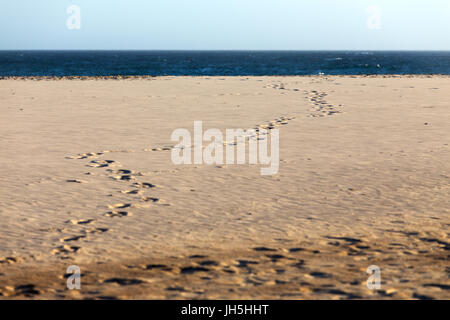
221	63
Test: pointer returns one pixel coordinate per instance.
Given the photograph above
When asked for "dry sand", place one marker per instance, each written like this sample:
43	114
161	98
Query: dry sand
86	179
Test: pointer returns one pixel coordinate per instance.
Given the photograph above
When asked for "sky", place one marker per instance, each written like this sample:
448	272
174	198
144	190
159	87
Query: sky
225	25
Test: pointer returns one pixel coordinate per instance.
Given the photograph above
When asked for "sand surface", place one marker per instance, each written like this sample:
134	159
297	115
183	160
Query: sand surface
86	179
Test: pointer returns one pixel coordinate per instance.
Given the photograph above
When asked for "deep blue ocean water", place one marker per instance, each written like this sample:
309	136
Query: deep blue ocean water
229	63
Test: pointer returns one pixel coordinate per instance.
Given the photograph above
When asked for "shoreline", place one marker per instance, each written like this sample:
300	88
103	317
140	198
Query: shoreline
152	77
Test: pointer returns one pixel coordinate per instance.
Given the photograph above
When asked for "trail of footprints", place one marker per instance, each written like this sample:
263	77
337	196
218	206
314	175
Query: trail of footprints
113	170
261	131
116	210
121	210
320	107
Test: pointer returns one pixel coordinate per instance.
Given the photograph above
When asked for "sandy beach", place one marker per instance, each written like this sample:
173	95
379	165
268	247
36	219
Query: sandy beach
86	179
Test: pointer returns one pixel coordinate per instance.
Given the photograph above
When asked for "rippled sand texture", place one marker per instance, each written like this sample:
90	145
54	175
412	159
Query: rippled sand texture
86	179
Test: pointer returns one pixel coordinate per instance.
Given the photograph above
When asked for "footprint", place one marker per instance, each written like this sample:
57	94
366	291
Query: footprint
87	221
119	206
119	214
8	260
75	181
158	266
421	296
209	263
347	239
299	264
175	288
149	199
131	191
97	230
246	263
263	249
166	148
124	177
191	270
27	290
125	171
86	155
145	185
123	281
70	239
317	274
197	256
275	257
65	249
100	163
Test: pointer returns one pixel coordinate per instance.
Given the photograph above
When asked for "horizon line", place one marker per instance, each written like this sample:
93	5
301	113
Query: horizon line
246	50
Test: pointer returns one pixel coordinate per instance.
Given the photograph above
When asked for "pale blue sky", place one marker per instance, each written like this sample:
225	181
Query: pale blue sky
226	24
